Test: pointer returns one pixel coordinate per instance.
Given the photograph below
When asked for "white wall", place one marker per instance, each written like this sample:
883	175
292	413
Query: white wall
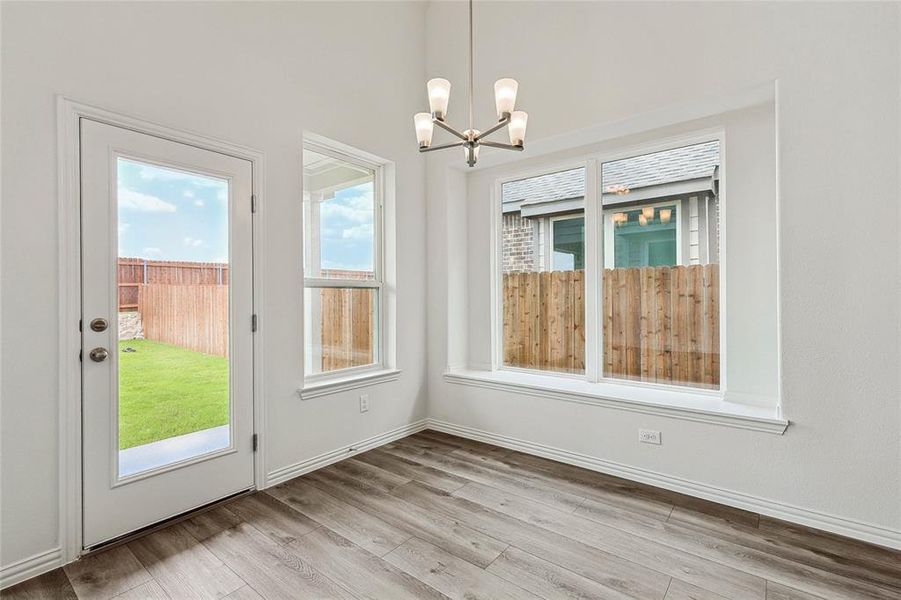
585	64
257	74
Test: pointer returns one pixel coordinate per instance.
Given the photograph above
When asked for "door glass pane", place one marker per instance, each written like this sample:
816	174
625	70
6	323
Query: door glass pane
660	312
339	218
173	276
340	327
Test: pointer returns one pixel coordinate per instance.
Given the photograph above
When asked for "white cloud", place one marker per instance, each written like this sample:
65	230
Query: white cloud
130	199
222	194
358	232
188	194
198	203
358	214
152	252
189	241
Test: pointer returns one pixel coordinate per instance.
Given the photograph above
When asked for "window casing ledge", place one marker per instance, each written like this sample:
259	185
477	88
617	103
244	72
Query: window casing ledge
688	405
336	384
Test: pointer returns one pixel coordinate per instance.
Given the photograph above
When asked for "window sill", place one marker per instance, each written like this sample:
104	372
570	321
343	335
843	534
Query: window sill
688	405
349	382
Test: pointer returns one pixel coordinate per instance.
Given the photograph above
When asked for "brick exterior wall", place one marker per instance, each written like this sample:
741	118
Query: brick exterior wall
519	246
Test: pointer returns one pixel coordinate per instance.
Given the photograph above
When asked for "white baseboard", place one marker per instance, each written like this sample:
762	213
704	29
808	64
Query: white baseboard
323	460
32	566
874	534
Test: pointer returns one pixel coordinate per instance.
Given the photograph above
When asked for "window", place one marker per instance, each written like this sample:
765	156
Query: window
543	280
657	248
343	249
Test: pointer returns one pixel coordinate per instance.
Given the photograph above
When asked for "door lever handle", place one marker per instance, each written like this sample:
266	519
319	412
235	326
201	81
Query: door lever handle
99	354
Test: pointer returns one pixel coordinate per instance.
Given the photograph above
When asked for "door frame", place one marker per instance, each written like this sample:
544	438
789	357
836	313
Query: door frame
69	113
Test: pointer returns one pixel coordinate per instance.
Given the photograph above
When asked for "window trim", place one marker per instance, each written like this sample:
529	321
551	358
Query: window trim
324	383
595	259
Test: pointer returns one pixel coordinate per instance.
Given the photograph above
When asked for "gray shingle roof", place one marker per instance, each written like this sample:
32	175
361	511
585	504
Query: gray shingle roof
669	166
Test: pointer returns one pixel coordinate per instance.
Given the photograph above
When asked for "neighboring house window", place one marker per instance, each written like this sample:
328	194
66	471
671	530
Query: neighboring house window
658	237
343	249
568	243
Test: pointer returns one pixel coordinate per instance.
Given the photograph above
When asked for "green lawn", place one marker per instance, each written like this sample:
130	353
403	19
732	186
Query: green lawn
165	391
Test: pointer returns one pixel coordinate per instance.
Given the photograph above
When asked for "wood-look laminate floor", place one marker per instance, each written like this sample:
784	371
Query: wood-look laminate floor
436	516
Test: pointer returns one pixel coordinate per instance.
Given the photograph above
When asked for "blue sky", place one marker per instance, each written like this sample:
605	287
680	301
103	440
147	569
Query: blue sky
171	215
346	226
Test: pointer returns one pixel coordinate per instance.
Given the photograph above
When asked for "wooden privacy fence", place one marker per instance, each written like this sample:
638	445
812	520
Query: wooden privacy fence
134	272
661	324
348	325
191	316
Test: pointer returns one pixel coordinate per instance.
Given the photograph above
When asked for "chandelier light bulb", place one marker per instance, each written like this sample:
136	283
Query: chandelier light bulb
665	215
505	96
471	134
642	220
439	96
517	127
424	129
648	213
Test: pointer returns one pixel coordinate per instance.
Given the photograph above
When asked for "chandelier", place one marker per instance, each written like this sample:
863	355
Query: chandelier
471	139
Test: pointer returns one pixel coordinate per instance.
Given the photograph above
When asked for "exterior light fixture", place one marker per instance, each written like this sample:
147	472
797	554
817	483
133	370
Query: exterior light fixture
472	139
665	215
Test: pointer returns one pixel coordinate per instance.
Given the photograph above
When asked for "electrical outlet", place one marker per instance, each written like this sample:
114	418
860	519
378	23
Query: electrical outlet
364	403
649	436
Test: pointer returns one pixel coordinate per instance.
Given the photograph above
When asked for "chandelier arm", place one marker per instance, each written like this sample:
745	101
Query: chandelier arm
440	123
502	146
441	147
499	125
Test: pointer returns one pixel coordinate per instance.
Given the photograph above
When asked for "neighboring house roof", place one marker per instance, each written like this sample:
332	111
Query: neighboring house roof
563	191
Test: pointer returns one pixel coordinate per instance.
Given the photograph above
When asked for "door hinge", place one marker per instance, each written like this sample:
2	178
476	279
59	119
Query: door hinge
80	356
253	203
255	440
253	323
79	325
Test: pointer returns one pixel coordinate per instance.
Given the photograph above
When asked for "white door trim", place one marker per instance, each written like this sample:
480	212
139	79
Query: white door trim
69	112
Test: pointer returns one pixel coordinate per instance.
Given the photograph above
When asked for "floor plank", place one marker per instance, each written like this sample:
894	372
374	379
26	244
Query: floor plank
452	576
847	563
272	570
357	525
362	573
413	470
53	585
276	519
211	522
244	593
602	567
146	591
452	536
697	542
183	566
774	591
679	590
106	574
699	571
548	580
474	472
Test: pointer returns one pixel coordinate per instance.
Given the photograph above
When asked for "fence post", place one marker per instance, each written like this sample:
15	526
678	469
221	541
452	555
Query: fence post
144	273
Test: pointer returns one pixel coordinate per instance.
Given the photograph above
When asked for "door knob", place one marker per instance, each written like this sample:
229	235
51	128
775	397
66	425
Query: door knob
99	354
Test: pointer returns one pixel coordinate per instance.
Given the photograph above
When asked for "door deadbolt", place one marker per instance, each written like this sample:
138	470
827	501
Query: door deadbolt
99	354
99	325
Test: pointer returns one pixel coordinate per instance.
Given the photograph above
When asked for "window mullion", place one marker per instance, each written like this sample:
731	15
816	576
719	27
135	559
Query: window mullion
594	264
